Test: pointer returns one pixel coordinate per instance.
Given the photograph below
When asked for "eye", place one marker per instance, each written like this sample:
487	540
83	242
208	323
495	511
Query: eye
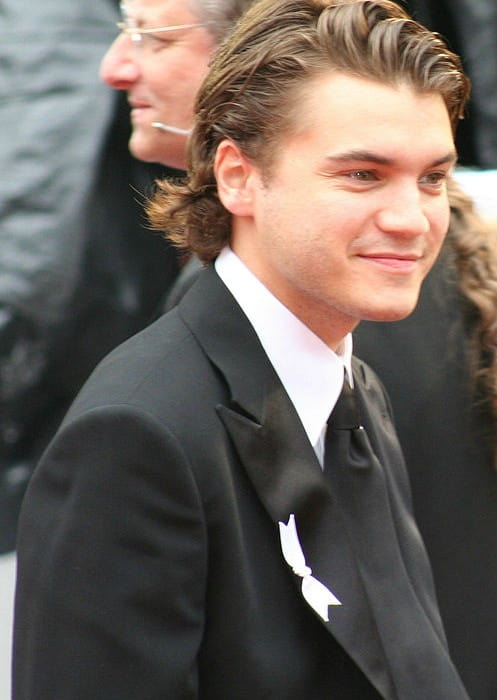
359	179
362	175
435	179
155	42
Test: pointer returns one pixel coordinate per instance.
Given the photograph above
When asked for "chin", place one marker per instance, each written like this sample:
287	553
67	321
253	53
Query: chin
145	148
139	152
392	316
394	305
390	312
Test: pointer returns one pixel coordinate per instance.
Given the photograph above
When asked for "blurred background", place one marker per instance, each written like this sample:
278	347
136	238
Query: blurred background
79	271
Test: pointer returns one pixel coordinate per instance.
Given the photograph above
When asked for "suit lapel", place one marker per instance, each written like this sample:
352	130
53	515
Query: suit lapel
280	462
261	419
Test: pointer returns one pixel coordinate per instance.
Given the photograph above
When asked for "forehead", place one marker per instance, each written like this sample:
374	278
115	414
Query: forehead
345	112
160	12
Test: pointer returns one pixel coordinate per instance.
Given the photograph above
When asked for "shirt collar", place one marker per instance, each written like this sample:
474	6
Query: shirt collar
311	373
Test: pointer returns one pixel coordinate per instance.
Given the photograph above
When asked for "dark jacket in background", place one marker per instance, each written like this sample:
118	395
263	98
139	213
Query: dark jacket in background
79	272
470	26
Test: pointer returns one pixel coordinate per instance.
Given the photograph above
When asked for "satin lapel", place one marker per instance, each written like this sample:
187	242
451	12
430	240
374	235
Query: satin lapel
280	462
260	418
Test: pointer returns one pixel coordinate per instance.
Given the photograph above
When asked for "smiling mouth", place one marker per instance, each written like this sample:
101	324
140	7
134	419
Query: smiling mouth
140	114
136	106
393	262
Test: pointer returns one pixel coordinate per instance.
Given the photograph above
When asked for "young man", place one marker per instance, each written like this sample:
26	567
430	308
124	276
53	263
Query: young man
196	529
450	462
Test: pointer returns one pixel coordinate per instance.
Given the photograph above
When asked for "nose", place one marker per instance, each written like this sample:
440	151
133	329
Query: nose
119	68
403	213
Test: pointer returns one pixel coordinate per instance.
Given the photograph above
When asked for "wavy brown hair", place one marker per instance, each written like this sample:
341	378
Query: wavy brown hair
251	93
473	243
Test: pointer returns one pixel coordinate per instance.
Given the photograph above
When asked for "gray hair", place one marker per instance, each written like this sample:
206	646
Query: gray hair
220	16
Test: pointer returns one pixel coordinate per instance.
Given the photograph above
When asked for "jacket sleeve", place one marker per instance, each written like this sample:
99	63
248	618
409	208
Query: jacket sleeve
111	565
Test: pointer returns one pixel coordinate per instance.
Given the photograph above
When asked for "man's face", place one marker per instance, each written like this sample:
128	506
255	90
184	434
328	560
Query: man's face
355	209
161	76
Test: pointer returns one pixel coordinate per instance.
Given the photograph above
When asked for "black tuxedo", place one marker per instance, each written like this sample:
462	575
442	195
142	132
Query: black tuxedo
149	555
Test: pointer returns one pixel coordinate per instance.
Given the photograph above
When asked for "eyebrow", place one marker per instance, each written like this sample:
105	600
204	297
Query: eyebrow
371	157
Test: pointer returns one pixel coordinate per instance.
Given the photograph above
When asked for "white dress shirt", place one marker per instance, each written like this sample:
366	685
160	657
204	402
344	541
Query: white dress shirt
311	373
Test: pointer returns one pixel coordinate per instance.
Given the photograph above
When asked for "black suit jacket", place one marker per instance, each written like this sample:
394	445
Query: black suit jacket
149	554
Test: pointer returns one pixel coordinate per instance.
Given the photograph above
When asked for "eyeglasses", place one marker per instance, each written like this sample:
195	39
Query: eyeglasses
139	35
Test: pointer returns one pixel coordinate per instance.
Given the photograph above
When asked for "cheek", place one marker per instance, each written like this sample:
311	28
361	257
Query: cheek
176	88
157	84
166	72
439	227
440	216
183	69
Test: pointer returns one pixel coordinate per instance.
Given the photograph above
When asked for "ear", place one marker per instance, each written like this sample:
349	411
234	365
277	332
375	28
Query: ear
235	176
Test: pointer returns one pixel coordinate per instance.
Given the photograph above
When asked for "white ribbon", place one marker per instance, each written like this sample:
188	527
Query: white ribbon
316	594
